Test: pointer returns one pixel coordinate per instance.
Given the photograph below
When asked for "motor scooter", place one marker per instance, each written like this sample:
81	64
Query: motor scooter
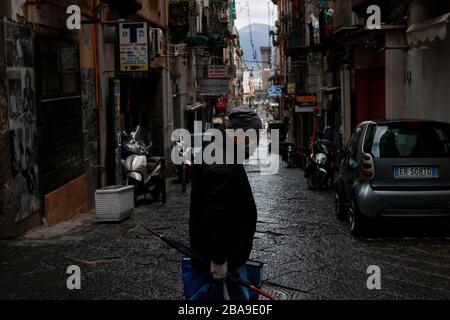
291	155
142	170
322	165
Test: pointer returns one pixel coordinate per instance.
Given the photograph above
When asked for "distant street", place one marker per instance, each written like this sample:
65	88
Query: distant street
307	253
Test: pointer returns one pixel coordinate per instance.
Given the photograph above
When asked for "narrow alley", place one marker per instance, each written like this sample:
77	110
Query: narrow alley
307	253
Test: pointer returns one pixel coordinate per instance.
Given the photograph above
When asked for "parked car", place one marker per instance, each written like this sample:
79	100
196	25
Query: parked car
394	169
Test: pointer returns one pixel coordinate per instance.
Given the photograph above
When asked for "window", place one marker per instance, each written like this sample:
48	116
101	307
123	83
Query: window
60	68
412	140
352	148
371	130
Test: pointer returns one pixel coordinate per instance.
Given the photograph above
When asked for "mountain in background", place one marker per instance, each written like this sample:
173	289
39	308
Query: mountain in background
260	35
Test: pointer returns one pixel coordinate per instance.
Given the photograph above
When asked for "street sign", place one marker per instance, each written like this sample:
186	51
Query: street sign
275	91
133	40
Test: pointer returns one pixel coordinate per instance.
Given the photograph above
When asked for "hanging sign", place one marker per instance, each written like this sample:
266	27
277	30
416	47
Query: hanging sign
133	40
306	99
275	91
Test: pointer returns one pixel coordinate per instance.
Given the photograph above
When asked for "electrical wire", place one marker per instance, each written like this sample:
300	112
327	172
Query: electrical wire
255	55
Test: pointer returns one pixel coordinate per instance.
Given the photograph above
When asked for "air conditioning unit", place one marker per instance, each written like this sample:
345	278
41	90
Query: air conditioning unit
156	39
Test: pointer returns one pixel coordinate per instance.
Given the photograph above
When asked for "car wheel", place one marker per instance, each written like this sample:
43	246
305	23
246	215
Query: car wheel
340	208
357	222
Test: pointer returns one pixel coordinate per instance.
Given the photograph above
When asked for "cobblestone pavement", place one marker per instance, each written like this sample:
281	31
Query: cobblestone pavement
307	253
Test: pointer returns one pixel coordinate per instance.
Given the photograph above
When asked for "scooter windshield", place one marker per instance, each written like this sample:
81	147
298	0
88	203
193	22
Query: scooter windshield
141	134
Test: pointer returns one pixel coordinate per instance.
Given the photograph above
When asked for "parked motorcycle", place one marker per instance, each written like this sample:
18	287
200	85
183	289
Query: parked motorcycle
183	170
322	165
291	156
142	170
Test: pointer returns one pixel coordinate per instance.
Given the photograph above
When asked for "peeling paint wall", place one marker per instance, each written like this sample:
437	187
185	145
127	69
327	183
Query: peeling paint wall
22	118
19	195
89	109
5	159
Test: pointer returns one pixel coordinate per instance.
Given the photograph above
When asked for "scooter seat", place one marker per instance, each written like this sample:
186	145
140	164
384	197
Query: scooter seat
154	159
152	163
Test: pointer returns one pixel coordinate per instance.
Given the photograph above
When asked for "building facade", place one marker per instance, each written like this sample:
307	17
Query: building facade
326	50
67	95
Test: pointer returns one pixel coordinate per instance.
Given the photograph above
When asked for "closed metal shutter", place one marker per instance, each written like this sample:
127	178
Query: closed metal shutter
59	114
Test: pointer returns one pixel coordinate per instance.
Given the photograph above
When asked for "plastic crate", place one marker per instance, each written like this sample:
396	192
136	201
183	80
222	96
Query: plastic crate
114	203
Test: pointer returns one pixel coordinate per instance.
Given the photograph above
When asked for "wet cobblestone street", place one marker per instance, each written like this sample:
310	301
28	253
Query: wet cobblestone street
307	253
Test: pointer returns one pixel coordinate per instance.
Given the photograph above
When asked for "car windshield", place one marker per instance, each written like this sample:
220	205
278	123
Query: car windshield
412	140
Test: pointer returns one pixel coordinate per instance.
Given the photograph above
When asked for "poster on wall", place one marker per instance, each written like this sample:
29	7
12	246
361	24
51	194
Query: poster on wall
69	59
22	118
133	40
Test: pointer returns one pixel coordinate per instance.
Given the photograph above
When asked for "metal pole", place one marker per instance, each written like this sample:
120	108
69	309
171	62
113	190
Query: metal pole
163	176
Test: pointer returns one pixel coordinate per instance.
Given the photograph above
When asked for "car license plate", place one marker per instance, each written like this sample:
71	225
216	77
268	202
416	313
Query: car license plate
415	172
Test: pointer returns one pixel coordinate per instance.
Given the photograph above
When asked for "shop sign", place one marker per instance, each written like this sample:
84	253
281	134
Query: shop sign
291	89
275	91
222	103
133	41
306	99
220	72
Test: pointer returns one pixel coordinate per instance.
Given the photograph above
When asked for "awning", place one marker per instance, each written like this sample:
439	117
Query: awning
304	109
197	40
195	106
330	89
428	30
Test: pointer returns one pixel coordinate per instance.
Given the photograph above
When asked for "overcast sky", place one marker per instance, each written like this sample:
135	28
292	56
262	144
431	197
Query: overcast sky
259	12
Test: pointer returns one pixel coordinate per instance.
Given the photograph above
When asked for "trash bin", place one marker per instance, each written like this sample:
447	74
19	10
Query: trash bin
114	203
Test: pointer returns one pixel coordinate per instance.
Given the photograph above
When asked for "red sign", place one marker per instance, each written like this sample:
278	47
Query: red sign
306	99
220	71
221	104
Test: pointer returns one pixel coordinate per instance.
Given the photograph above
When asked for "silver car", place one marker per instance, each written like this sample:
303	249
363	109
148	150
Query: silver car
394	169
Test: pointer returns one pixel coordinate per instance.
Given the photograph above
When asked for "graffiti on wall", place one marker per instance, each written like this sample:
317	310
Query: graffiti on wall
22	118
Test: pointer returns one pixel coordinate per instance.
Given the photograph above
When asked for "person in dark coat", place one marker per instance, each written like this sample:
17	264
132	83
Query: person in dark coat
223	213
